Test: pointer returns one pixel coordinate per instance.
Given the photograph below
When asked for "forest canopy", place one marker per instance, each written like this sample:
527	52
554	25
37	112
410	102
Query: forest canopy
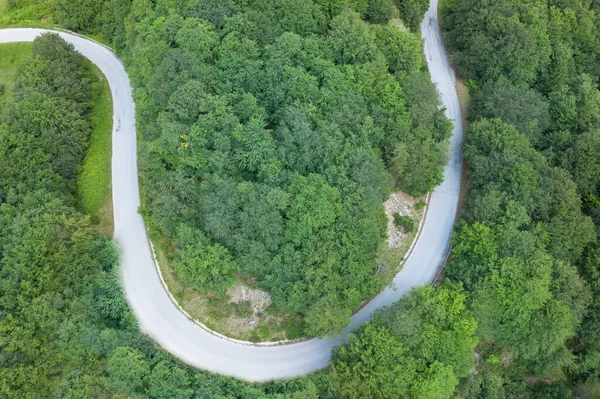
253	114
271	134
417	348
525	252
247	126
526	248
66	330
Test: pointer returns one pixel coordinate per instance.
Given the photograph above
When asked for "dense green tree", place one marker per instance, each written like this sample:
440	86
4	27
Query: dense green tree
80	16
314	205
371	363
514	306
261	229
590	331
256	149
474	253
198	38
416	348
351	40
425	107
401	48
524	297
327	316
301	149
113	20
495	380
380	11
168	380
53	125
495	38
110	303
214	11
202	265
583	160
425	167
522	107
57	71
127	368
331	8
588	103
413	11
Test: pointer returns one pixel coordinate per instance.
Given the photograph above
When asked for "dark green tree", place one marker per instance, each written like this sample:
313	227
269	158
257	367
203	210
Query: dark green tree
413	11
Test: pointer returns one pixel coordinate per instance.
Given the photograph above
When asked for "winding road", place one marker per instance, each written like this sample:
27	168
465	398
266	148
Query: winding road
161	319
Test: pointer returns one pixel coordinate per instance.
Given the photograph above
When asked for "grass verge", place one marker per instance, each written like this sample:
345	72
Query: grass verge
12	56
94	181
464	99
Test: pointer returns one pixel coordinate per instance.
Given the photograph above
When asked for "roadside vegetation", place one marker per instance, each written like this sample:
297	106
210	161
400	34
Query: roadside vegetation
94	180
404	222
12	57
409	211
223	314
26	12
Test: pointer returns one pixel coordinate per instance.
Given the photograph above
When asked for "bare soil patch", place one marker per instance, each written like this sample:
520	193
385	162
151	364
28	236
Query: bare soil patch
259	300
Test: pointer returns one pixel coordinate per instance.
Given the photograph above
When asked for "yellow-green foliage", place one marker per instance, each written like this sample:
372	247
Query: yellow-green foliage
26	11
93	183
11	56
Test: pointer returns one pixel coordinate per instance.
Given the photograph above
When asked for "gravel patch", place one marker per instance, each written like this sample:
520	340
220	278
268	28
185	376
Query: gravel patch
260	300
403	204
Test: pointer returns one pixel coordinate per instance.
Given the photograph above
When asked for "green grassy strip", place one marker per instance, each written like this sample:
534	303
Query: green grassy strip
36	11
12	55
94	181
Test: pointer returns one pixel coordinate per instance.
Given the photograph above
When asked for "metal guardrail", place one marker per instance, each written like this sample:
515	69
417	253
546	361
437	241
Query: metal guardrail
448	251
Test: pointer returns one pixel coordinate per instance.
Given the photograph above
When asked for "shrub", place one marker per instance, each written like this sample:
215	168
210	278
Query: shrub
420	205
243	309
404	222
219	308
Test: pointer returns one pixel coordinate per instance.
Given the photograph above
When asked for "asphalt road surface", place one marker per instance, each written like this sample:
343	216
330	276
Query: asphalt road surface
161	319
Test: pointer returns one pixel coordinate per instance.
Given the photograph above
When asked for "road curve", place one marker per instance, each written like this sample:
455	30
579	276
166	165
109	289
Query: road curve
159	317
